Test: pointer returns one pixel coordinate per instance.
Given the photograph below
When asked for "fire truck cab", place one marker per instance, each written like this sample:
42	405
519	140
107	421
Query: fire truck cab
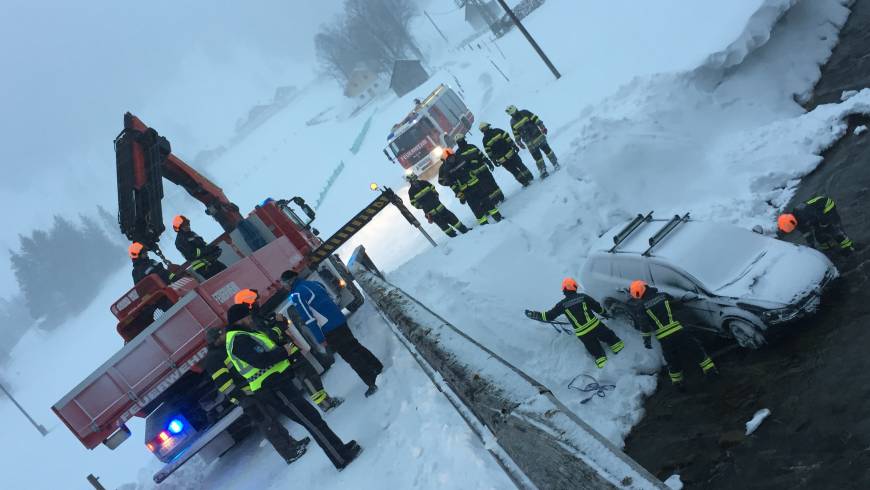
418	141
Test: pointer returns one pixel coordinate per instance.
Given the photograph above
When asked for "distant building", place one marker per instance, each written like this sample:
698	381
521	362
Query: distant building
407	75
482	13
362	84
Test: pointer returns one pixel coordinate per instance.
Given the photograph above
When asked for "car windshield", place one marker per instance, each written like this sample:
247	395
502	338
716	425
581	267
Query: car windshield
715	256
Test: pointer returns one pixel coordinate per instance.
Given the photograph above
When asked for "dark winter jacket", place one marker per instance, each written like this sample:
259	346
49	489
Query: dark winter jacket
251	351
456	173
316	308
498	145
579	309
144	266
527	127
193	247
818	212
655	313
423	195
219	367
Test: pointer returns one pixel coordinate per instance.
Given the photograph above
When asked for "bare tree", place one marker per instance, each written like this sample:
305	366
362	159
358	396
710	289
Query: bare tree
371	34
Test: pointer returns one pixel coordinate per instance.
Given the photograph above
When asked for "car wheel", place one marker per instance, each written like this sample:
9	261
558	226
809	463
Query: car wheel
746	333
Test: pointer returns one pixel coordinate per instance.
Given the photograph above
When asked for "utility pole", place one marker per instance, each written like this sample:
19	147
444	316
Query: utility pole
529	38
38	427
436	27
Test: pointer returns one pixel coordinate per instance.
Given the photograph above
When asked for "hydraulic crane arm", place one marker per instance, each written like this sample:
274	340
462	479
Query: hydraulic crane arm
143	158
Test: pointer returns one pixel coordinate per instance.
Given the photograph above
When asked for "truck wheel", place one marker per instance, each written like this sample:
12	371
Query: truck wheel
747	334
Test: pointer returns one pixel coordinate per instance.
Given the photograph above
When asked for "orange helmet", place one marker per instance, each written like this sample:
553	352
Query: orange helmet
446	153
178	221
787	223
637	289
135	249
246	297
569	284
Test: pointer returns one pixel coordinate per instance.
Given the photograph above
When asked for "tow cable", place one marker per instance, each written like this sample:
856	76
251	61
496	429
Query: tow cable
594	387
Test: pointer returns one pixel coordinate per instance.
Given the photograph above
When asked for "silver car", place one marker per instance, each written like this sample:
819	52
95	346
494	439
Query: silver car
732	281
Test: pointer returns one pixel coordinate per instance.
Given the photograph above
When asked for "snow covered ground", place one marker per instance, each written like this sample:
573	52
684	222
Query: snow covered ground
673	106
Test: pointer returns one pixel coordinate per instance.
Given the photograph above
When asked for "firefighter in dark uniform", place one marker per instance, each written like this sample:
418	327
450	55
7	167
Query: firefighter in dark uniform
819	223
505	153
228	381
457	174
203	258
581	309
275	326
482	168
265	367
652	313
529	132
423	196
144	266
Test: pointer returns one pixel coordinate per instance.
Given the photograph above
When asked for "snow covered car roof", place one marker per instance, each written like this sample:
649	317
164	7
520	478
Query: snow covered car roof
724	258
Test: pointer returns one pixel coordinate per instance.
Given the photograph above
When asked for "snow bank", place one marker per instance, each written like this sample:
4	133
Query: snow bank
553	447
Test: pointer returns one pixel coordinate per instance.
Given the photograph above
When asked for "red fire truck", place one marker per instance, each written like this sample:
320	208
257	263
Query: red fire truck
155	374
417	142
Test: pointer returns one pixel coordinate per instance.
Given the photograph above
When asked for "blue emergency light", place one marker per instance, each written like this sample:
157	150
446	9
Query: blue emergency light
175	426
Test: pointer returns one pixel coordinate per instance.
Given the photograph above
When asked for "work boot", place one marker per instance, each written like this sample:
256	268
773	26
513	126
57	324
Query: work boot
350	452
462	228
451	233
330	403
544	174
496	216
371	391
297	450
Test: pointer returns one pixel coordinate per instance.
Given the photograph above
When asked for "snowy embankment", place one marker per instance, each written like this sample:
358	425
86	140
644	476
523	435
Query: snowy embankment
644	117
725	140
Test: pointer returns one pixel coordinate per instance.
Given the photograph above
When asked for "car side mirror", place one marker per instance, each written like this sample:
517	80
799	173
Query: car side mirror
689	296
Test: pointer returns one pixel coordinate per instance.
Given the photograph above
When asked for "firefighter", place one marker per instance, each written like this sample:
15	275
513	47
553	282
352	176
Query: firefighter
311	301
652	312
265	367
529	132
505	153
229	382
819	223
456	173
424	197
582	310
482	168
275	326
144	266
202	257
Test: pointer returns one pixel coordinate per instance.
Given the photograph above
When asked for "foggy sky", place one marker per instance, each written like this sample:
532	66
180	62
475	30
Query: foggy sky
71	69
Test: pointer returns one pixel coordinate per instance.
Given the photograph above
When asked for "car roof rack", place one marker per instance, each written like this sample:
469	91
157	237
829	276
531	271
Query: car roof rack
662	233
629	229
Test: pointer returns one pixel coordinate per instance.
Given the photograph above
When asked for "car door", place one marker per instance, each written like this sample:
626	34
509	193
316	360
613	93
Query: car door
703	312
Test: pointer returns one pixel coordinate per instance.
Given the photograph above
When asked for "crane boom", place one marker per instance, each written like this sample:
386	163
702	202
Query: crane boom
143	159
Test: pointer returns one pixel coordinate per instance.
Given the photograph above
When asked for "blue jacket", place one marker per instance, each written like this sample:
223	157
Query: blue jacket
316	307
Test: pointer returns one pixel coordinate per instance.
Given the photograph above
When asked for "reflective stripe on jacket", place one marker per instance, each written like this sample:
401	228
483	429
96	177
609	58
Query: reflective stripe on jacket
252	375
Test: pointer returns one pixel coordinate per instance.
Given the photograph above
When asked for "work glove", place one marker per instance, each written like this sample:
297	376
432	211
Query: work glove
647	342
534	315
461	197
429	218
543	129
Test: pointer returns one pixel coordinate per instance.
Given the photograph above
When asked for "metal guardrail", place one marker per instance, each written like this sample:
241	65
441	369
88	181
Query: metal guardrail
545	441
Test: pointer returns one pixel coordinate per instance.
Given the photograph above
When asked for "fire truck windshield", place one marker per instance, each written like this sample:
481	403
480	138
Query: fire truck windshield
415	142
